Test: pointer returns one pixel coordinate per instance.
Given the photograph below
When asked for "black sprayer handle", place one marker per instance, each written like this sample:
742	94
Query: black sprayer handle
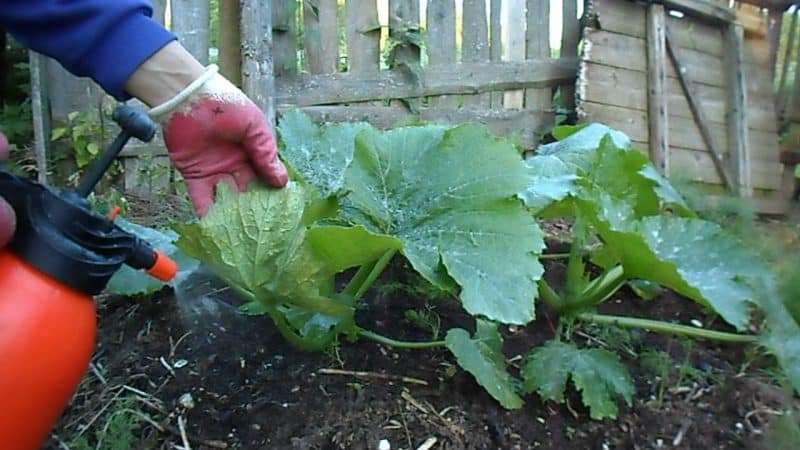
134	123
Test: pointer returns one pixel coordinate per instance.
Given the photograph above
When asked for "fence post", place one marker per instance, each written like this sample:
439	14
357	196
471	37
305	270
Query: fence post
230	54
658	118
190	22
258	76
738	134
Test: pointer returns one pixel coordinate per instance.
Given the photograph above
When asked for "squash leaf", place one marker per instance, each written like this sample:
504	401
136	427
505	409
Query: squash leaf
449	195
596	373
482	357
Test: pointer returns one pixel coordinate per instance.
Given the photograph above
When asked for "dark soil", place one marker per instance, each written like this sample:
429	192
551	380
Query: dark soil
249	389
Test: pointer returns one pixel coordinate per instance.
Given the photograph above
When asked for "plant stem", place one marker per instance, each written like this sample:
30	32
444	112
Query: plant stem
599	289
358	279
374	273
399	344
666	327
550	296
554	256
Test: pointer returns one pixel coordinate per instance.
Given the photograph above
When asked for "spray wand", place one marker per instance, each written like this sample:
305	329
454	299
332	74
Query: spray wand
62	254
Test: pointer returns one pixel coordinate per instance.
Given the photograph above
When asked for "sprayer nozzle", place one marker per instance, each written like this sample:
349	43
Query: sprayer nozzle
165	268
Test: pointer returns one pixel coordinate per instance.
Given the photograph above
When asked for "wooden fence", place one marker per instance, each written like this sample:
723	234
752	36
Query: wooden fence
693	89
384	61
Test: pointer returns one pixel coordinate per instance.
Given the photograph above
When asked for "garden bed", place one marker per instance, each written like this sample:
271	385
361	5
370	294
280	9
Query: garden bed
250	389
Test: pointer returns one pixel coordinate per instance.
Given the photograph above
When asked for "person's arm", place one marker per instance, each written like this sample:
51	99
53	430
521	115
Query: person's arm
106	40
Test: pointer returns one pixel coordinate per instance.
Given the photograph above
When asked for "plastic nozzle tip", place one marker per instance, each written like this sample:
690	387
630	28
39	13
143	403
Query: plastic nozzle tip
165	268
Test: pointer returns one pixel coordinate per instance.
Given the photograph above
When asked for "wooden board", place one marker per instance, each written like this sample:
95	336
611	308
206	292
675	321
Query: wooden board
476	43
605	84
363	36
466	78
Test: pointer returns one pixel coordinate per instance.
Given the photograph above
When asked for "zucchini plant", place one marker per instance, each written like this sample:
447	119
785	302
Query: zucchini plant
461	205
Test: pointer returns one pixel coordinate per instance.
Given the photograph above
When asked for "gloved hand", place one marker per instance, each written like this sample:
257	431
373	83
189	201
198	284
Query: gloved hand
8	220
214	133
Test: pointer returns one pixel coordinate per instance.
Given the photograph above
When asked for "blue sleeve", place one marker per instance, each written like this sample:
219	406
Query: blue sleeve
106	40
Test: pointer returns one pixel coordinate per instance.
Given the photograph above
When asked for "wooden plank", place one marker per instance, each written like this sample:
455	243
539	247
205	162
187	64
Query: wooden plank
41	133
496	44
628	52
441	44
190	22
159	8
790	45
699	114
738	138
404	19
570	37
537	46
284	36
321	36
363	36
627	17
697	166
476	42
515	45
628	89
229	41
522	123
703	9
466	78
258	79
657	104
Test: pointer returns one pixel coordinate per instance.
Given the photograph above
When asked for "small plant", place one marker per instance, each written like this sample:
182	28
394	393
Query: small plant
85	135
462	207
116	429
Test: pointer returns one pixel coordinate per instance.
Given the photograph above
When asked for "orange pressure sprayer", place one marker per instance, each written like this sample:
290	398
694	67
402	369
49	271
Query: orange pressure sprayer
62	254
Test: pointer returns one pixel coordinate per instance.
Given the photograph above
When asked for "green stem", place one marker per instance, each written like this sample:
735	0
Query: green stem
554	256
374	273
549	295
358	279
599	289
666	327
399	344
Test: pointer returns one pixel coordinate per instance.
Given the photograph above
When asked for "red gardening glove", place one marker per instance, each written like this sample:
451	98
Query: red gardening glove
8	220
214	133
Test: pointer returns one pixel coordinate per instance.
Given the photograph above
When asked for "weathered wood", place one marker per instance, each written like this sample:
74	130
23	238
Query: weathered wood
190	22
40	135
404	23
607	83
466	78
496	44
363	36
570	37
515	45
441	44
321	37
159	8
521	123
703	9
475	42
537	46
658	117
688	88
738	138
627	17
284	37
787	58
230	47
257	64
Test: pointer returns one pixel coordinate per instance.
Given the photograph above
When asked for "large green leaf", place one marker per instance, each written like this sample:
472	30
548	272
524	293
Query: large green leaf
319	154
255	241
597	161
782	335
693	257
596	373
449	194
128	281
345	247
482	357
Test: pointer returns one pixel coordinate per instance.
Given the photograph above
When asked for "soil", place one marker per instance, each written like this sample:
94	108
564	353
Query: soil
199	375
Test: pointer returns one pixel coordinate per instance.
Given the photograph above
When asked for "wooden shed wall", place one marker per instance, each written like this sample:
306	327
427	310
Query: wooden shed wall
613	89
